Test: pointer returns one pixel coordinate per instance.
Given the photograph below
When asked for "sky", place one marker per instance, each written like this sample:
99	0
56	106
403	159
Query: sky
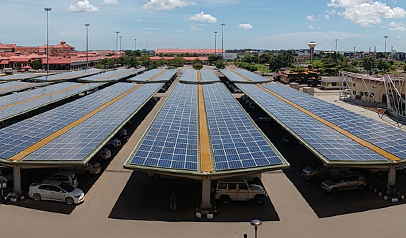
255	24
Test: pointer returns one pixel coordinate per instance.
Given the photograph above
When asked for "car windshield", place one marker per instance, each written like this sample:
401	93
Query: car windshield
68	188
337	178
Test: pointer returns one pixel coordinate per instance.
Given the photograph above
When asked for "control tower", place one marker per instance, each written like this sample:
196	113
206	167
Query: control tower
311	44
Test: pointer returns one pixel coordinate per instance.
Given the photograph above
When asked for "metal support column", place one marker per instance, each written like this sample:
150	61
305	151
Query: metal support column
391	177
17	179
206	193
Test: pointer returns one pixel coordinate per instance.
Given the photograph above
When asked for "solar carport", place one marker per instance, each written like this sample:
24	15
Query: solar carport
335	135
17	77
68	75
112	76
11	87
155	76
202	133
72	133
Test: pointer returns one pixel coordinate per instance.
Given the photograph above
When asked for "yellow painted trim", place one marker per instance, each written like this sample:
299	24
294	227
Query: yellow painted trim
156	75
15	86
353	137
205	156
58	133
45	95
199	79
240	75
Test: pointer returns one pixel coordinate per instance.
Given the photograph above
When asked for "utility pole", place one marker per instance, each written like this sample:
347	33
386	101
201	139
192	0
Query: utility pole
47	9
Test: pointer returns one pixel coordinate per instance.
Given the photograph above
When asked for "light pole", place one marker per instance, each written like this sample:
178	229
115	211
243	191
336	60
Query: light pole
117	42
336	44
386	37
120	43
87	45
146	47
256	223
215	42
222	40
47	9
135	45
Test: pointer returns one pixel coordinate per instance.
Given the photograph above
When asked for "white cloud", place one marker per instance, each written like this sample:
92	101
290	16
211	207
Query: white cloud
398	36
326	17
332	12
245	26
193	28
83	6
203	17
110	2
166	5
393	26
311	18
367	13
311	27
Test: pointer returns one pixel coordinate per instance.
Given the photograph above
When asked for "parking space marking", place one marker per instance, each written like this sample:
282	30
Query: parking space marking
56	134
156	76
205	156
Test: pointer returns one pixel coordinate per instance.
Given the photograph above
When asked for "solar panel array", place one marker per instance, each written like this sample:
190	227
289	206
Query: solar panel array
16	104
111	76
10	87
15	77
19	136
165	77
80	141
232	76
172	140
251	76
236	142
208	76
380	134
331	144
189	75
69	75
146	75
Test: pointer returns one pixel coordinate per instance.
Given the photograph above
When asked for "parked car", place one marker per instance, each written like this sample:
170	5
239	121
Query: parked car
123	138
315	173
56	191
6	174
381	171
234	190
90	168
115	142
65	176
103	154
344	181
122	131
266	118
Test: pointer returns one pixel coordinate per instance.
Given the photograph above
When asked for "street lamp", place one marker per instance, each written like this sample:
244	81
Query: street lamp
135	45
117	42
386	37
120	43
47	9
215	42
256	223
222	40
146	47
87	45
336	45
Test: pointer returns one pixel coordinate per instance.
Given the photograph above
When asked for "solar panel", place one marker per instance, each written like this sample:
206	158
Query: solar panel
251	76
15	77
172	139
232	76
10	87
380	134
333	145
208	76
145	76
236	142
19	103
189	75
68	75
19	136
80	141
111	76
165	77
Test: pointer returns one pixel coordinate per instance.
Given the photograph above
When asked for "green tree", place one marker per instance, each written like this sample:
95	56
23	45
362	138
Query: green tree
383	65
36	64
197	66
214	58
220	64
282	60
368	63
177	62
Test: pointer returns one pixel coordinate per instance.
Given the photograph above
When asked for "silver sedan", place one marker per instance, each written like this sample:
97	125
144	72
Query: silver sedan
56	191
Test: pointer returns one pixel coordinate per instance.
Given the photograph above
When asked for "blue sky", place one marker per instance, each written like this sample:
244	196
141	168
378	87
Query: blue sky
263	24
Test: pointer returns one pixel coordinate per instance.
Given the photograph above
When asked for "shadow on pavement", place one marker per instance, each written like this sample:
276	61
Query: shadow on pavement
144	198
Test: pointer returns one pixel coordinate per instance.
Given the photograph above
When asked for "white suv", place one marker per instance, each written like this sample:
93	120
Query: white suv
227	191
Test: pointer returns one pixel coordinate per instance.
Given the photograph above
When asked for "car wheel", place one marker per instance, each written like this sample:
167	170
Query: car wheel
334	191
314	178
259	200
69	201
36	197
225	200
361	188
